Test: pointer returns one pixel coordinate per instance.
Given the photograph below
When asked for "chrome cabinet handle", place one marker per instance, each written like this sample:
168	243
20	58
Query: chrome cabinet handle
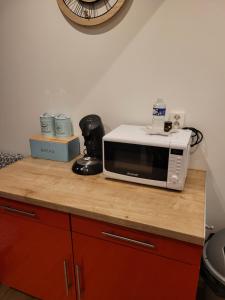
122	238
18	211
77	271
66	277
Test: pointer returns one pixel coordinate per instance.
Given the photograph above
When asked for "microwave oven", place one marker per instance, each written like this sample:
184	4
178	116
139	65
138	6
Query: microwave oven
131	154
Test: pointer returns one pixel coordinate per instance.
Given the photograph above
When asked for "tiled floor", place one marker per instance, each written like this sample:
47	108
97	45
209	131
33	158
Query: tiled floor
10	294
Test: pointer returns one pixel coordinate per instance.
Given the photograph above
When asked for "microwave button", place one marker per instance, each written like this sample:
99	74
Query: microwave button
174	178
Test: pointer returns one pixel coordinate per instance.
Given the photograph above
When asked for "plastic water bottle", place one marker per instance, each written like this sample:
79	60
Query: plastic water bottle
159	114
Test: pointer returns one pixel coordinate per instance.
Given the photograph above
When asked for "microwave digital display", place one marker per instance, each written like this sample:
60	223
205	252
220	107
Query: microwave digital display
136	160
177	151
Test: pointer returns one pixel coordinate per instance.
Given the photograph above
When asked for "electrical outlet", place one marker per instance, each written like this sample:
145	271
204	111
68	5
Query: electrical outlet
177	118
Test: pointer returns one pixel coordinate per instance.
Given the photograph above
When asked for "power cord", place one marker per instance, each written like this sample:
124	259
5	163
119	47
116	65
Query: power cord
197	136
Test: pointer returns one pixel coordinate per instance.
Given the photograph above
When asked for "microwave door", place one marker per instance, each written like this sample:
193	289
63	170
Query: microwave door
141	161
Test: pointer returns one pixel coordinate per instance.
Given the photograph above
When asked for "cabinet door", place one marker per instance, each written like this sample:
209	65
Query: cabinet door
35	258
117	271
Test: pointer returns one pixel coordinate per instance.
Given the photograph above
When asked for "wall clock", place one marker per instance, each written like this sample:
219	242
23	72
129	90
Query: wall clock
90	12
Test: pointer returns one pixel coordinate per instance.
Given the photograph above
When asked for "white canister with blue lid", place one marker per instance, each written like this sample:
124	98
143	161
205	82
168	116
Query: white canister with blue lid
47	122
63	126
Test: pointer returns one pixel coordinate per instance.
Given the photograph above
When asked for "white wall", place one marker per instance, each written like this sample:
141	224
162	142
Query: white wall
174	49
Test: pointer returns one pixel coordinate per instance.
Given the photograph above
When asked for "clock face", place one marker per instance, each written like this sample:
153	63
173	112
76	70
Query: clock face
90	12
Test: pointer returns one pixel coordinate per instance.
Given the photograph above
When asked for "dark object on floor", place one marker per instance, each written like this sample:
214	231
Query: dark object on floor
8	159
213	266
201	289
93	132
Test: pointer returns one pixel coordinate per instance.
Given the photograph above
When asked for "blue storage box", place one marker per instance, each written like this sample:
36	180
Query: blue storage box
59	149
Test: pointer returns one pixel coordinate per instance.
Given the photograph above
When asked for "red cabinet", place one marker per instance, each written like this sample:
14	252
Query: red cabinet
36	251
117	264
109	262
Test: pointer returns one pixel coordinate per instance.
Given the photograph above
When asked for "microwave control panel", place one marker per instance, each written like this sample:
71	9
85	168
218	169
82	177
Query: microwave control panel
175	170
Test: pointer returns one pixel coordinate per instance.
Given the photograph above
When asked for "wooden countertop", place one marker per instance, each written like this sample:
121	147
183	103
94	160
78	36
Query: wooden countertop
178	215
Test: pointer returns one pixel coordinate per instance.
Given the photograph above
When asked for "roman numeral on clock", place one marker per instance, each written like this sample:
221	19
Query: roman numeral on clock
107	5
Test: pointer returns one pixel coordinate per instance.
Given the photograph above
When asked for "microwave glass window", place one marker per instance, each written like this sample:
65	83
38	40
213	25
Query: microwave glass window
137	160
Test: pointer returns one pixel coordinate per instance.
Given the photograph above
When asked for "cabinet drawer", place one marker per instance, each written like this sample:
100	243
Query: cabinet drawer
34	213
174	249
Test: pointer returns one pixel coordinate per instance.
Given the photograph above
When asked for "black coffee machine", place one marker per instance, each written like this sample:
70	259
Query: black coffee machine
92	131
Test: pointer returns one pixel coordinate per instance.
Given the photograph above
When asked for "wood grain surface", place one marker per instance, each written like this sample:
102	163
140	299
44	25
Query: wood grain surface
178	215
53	139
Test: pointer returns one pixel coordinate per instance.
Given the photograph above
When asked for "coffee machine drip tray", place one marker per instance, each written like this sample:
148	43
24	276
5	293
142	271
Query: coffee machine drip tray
87	166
